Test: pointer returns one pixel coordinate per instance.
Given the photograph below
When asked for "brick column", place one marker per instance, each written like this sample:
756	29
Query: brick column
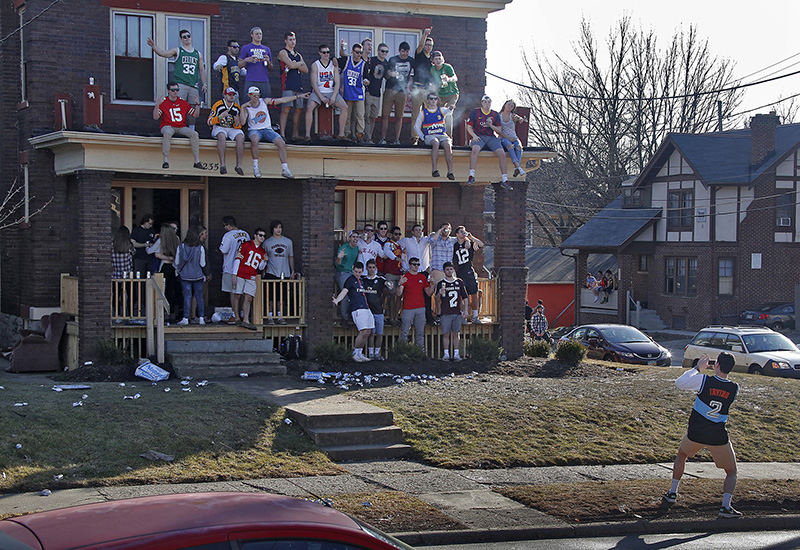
318	252
509	262
94	260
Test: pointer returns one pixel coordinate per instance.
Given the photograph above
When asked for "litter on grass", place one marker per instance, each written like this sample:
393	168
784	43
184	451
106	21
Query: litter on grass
57	477
78	404
287	421
63	387
45	493
243	374
155	455
22	404
150	371
345	381
18	445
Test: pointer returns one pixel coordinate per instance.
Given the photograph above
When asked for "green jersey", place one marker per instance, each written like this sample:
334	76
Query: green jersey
451	88
187	67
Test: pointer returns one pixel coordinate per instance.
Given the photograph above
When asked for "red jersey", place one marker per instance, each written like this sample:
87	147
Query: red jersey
414	291
251	260
173	113
394	259
480	121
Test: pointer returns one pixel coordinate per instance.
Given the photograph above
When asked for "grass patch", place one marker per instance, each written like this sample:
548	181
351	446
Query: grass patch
214	434
631	416
395	512
619	500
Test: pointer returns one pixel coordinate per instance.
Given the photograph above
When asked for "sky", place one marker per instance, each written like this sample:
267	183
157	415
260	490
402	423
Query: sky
754	38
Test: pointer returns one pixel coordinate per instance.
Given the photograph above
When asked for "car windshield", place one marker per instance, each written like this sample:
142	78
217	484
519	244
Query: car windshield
619	335
768	342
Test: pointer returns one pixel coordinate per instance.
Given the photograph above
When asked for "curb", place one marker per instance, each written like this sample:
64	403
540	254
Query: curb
600	529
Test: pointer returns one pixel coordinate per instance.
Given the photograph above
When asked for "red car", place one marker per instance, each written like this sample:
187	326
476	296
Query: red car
199	521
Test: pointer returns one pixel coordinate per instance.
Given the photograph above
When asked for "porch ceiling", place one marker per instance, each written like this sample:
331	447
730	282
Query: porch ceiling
74	151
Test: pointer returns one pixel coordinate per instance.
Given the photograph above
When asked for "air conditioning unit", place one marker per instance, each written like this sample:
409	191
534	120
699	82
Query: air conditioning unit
784	222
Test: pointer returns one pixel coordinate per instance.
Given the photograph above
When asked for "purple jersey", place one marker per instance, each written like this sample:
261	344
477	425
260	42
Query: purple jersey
257	71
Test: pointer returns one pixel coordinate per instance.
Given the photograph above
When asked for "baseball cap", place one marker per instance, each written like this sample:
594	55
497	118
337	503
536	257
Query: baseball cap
254	90
230	90
486	97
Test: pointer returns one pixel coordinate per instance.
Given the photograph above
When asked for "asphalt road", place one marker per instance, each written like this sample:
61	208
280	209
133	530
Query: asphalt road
755	540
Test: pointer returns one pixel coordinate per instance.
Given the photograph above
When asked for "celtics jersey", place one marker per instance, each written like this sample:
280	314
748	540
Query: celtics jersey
187	67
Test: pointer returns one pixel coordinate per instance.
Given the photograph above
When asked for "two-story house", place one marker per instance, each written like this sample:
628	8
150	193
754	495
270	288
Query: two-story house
59	58
709	228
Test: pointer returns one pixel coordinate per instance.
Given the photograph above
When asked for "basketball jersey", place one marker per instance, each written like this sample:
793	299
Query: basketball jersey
231	74
710	410
290	78
353	89
462	256
432	122
250	257
187	67
258	116
325	77
454	292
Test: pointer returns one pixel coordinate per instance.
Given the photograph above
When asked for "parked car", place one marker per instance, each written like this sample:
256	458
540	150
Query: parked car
756	350
775	315
207	521
620	343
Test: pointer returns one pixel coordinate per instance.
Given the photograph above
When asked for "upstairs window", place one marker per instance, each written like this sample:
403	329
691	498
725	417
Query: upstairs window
725	277
784	210
133	59
680	209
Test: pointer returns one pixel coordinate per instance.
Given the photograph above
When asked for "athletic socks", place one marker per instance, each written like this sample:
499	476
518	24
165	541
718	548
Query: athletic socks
472	173
474	313
284	166
446	356
371	352
674	488
504	178
726	500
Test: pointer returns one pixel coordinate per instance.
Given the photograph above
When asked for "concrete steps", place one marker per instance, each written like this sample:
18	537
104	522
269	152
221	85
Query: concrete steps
350	430
221	358
649	320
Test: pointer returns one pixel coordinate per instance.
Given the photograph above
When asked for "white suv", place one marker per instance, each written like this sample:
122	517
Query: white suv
756	350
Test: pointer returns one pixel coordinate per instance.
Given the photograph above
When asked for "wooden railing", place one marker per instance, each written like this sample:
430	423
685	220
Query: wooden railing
285	298
488	291
128	299
69	294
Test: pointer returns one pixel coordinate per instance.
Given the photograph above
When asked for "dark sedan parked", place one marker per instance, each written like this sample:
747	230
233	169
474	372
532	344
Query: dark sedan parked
775	315
620	343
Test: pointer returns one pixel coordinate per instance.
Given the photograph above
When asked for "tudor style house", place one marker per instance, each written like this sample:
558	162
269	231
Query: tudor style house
70	70
709	228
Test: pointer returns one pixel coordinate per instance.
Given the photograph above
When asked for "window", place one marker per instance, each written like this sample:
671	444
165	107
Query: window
353	36
374	206
725	277
680	207
394	38
133	58
416	209
643	262
338	211
733	343
194	26
680	276
784	210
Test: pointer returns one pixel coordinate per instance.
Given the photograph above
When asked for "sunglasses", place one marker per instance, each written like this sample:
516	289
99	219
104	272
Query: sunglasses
432	98
261	234
414	263
325	52
236	47
173	89
231	93
186	36
384	51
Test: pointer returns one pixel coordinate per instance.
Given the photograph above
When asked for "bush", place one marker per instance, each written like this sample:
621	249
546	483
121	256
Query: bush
570	352
107	353
536	348
406	352
483	350
331	354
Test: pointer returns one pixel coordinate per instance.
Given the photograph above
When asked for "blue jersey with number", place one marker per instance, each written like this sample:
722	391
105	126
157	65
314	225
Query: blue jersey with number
710	410
432	122
353	75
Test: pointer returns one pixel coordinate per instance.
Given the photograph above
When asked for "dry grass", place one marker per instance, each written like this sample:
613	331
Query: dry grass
394	512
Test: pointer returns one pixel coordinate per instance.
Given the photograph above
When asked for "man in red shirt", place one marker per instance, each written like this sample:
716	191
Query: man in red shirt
250	260
172	111
412	287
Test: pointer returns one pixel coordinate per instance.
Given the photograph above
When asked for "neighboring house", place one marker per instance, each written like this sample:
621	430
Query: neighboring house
101	180
709	228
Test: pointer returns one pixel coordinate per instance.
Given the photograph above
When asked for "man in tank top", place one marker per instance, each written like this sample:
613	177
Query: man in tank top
325	90
189	68
292	65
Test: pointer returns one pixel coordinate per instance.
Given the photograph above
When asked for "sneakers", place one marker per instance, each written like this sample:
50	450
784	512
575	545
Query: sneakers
286	173
199	165
183	322
451	176
457	358
223	170
249	326
239	170
670	497
476	320
270	321
165	165
435	174
281	321
516	171
383	142
729	512
256	172
446	357
471	180
506	185
201	321
360	358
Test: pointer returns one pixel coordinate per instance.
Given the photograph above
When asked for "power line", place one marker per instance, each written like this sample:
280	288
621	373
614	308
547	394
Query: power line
28	22
767	67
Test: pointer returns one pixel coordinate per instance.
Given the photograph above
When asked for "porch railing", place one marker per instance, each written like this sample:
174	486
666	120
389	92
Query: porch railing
128	299
285	298
488	291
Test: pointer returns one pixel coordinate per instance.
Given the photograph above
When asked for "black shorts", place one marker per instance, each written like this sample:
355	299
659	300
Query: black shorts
470	281
709	433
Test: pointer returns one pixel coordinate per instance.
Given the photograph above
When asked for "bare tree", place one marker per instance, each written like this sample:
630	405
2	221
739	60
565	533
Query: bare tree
607	121
12	207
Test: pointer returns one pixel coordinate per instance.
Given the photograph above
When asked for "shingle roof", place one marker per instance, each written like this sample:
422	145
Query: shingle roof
612	227
546	264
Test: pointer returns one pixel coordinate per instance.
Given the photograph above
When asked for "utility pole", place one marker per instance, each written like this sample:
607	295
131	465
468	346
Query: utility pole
719	115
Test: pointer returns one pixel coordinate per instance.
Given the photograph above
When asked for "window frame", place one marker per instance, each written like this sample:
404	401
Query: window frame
724	278
386	193
785	204
683	275
680	217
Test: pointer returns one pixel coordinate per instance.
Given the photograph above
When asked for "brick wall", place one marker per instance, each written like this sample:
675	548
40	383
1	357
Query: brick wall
461	205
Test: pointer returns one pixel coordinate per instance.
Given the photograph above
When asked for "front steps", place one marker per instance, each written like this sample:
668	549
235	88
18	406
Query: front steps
222	358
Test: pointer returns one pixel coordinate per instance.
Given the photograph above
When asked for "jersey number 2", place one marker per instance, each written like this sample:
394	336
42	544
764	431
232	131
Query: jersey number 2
716	406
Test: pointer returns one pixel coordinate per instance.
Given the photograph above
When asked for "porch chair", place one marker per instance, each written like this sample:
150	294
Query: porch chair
39	352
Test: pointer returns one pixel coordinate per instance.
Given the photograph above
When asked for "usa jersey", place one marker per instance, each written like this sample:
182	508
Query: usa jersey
325	77
251	260
710	411
353	88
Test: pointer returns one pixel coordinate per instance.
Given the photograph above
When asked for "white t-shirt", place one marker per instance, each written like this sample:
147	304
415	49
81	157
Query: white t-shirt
258	117
279	249
231	242
369	251
414	249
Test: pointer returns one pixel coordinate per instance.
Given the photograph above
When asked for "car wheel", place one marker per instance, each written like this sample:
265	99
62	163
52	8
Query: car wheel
755	369
777	325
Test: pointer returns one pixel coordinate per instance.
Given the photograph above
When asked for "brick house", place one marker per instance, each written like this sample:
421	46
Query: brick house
708	229
99	181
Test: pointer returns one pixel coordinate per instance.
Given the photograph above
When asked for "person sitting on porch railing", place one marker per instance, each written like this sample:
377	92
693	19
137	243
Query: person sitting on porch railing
591	284
250	260
610	285
359	310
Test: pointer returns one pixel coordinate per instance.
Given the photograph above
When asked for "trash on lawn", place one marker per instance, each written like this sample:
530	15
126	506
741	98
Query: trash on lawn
78	404
2	387
88	363
311	375
122	384
185	382
186	389
366	504
22	404
287	421
4	475
18	445
166	390
57	477
243	374
63	387
155	455
85	396
45	493
202	383
150	371
134	396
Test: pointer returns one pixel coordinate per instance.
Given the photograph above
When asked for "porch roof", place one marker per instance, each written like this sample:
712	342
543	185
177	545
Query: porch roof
612	227
76	151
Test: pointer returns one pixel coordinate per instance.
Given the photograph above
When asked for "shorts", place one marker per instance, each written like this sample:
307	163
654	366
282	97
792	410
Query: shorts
245	286
487	142
314	98
451	322
189	93
230	133
227	282
441	138
299	102
363	319
723	455
379	317
394	98
265	134
470	281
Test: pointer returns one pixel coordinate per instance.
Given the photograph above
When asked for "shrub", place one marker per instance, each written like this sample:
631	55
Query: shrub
406	352
107	353
331	354
570	352
483	350
536	348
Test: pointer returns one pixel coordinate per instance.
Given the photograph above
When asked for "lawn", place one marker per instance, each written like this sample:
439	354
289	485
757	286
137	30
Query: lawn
603	415
213	433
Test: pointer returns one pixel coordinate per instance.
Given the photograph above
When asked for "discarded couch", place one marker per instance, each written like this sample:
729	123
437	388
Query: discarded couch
39	351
